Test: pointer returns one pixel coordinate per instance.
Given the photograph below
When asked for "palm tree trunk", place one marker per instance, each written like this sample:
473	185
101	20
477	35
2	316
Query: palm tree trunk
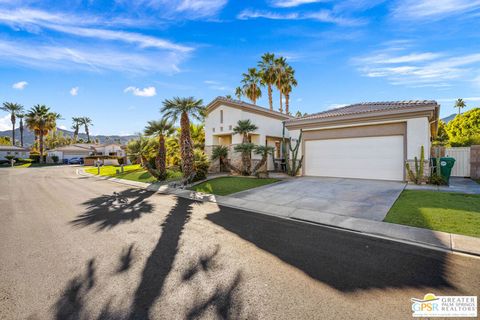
281	105
41	147
161	159
270	99
88	134
260	164
186	146
287	102
12	118
21	132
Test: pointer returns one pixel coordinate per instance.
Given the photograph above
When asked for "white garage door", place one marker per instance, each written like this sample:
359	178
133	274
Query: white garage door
364	158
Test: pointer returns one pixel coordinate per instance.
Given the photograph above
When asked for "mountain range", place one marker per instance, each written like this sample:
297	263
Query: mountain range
29	137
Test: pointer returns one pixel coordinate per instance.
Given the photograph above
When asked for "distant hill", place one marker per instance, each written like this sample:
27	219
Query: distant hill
449	118
29	137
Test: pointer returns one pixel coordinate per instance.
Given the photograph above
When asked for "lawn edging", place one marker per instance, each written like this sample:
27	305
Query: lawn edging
436	240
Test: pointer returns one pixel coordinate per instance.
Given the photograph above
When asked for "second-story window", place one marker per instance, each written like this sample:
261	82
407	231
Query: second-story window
221	116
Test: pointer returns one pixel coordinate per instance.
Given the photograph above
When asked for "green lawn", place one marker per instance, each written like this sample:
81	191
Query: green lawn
228	185
132	172
450	212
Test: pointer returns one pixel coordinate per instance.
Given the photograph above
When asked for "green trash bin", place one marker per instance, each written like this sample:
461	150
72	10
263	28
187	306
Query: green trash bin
446	165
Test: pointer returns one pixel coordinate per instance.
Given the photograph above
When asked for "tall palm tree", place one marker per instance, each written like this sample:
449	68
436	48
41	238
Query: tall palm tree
267	70
184	108
251	84
238	93
21	116
162	128
460	104
280	66
41	121
86	121
14	109
288	82
76	123
244	127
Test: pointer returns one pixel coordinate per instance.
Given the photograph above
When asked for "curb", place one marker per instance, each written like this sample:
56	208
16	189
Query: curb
425	238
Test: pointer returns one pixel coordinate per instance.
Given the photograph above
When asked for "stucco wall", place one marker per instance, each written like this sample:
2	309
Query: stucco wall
266	126
418	135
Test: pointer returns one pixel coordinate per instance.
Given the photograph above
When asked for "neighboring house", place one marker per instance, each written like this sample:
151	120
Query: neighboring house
15	151
223	115
82	150
366	140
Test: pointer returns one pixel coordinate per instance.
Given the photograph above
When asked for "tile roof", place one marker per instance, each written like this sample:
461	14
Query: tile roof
366	107
247	105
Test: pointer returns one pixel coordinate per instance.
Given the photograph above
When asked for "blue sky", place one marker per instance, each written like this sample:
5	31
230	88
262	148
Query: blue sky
116	61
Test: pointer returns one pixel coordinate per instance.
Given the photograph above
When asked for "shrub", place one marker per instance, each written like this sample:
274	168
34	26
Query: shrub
55	159
35	156
25	160
9	158
201	164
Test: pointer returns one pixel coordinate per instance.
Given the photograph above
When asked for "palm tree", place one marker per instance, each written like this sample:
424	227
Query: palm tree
221	153
251	84
264	151
197	132
86	121
267	70
280	66
21	116
14	109
76	123
183	108
244	127
288	82
460	104
161	128
238	93
41	121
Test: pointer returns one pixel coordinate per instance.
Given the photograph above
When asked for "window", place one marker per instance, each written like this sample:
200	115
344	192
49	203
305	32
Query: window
230	127
213	129
221	128
221	116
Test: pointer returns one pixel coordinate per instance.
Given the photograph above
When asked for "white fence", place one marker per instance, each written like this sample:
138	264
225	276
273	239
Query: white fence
461	168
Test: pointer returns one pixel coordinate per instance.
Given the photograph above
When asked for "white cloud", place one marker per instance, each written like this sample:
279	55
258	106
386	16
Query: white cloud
62	127
215	85
30	19
5	123
88	58
433	9
20	85
178	9
145	92
419	69
291	3
336	106
74	91
326	16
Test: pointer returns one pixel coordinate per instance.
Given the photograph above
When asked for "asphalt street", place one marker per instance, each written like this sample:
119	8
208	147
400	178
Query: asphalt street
74	247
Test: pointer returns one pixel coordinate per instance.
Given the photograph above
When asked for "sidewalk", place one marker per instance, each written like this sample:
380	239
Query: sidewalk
412	235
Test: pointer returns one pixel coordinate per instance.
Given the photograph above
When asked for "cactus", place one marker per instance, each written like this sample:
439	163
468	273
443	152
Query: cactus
294	167
417	176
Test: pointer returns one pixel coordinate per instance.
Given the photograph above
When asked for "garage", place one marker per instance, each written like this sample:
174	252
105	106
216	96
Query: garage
371	140
365	158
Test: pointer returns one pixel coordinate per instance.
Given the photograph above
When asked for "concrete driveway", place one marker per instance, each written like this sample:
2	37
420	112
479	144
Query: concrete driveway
367	199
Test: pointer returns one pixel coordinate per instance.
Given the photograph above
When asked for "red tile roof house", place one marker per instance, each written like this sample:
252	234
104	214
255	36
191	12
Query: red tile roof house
370	140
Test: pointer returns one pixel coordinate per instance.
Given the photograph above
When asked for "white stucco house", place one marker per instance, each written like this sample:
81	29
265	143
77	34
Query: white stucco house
82	150
223	115
17	152
366	140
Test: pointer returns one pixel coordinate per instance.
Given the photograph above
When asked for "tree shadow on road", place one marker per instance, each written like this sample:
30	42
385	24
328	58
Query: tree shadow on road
343	260
160	262
70	305
108	211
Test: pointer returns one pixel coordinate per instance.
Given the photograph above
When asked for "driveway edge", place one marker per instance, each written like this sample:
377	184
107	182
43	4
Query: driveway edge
436	240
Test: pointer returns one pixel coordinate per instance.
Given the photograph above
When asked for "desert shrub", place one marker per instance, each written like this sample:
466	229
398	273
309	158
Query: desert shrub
55	159
201	164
